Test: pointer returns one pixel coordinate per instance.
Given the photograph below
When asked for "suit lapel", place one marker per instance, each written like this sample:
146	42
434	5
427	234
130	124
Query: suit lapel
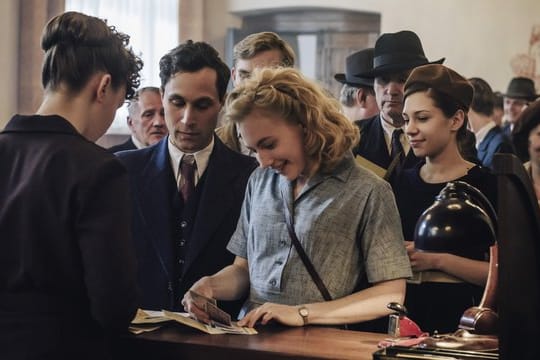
483	146
155	204
376	144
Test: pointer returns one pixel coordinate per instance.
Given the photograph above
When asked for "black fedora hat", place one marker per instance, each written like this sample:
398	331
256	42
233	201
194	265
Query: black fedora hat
396	52
521	88
355	63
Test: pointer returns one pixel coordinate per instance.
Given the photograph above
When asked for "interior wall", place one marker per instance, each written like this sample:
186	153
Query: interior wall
477	38
9	16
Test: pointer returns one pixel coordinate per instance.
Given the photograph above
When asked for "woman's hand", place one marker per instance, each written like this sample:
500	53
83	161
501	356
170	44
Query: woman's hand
201	287
284	314
420	261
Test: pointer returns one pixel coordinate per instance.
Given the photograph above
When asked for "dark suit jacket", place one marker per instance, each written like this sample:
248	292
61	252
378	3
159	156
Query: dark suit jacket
128	145
218	210
67	265
372	145
494	142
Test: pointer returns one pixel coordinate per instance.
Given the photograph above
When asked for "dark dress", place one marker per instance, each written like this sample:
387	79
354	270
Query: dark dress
434	305
67	265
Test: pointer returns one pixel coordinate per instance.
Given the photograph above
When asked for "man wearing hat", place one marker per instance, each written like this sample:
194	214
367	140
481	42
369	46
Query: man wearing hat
519	94
383	146
357	97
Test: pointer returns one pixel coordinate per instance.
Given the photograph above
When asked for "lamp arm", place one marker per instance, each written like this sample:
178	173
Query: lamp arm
480	198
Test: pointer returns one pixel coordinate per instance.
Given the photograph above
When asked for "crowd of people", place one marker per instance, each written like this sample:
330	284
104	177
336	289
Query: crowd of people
300	209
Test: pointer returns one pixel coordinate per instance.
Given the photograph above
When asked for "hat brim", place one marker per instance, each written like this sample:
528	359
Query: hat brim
521	96
393	68
357	81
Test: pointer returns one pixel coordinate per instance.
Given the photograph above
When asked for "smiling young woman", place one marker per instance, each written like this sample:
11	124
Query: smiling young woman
344	216
437	100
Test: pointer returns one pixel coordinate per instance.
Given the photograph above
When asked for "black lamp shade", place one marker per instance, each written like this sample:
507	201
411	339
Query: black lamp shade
455	224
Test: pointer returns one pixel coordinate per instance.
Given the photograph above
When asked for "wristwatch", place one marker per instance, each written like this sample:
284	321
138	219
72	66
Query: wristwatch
304	313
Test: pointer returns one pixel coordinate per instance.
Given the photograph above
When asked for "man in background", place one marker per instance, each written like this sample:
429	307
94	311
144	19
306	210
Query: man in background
519	94
357	96
145	120
490	138
383	147
264	49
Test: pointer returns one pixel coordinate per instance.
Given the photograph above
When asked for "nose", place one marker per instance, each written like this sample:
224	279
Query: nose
187	115
264	159
410	128
158	120
394	87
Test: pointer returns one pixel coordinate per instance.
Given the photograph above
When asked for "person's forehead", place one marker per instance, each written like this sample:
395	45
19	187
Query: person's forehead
195	84
272	57
516	100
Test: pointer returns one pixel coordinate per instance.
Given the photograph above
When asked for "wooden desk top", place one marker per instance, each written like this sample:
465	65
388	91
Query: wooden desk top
176	341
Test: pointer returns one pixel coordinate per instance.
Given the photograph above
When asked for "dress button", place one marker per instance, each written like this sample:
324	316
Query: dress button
181	262
279	262
182	242
183	224
282	242
273	282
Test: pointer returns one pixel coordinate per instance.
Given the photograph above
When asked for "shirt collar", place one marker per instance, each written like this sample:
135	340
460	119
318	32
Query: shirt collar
201	159
481	134
388	130
136	142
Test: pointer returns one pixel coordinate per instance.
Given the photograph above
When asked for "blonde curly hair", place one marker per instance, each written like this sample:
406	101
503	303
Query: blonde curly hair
285	92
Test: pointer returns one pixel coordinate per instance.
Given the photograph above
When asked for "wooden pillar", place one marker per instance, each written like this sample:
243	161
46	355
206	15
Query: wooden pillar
33	15
191	19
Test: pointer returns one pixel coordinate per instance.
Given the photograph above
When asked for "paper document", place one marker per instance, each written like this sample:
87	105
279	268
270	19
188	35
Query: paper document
153	319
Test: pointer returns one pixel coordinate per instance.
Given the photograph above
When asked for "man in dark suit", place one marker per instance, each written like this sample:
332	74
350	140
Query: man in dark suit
145	120
490	138
395	56
186	210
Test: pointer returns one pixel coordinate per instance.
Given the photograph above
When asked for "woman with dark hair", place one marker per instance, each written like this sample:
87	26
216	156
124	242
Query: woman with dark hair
435	111
67	266
344	217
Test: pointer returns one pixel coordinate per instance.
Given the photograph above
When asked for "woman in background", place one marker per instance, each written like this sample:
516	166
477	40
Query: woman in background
67	266
344	216
436	103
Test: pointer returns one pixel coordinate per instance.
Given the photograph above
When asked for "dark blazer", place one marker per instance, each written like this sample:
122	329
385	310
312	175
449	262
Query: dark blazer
372	145
128	145
494	142
67	265
217	214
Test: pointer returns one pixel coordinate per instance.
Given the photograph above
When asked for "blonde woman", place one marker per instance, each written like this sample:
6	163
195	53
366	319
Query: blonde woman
344	217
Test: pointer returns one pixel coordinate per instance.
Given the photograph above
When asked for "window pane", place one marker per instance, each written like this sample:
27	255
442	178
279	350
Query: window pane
153	30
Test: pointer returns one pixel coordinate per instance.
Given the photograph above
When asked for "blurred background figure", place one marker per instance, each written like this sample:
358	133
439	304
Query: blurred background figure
519	94
357	96
490	138
145	120
255	51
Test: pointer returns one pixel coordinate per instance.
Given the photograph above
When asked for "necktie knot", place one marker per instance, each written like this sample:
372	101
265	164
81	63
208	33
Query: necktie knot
187	176
396	147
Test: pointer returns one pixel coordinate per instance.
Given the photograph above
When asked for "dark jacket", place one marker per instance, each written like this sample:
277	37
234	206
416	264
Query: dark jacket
127	145
67	265
205	233
494	142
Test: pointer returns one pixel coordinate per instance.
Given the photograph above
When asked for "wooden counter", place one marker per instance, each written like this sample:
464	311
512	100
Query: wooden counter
178	342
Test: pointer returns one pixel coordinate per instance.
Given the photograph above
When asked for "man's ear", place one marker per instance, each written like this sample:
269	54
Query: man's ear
360	97
233	75
129	122
104	86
